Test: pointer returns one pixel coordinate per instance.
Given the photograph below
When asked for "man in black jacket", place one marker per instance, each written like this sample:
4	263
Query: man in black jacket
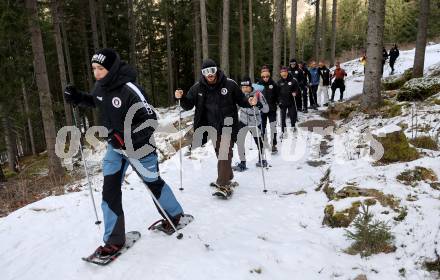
215	98
394	54
324	82
270	93
298	74
119	99
288	89
384	57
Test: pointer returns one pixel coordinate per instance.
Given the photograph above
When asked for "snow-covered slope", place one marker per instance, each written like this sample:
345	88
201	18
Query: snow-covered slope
254	235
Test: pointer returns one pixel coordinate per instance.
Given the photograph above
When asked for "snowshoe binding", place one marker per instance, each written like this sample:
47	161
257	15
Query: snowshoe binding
180	221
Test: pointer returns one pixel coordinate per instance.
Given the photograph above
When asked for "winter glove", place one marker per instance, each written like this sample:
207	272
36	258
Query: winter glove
72	95
116	139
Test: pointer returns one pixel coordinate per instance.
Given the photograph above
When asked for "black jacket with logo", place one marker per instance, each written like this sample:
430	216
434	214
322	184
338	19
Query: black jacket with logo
114	95
215	103
270	93
286	88
324	74
298	74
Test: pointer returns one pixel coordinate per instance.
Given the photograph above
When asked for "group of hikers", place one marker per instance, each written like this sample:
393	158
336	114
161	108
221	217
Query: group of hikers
392	55
220	103
251	106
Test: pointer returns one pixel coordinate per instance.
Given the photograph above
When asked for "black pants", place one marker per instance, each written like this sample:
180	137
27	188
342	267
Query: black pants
272	116
298	99
304	90
313	95
292	115
338	84
392	64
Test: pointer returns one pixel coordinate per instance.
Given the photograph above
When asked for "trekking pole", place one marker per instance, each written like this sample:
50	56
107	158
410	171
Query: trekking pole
296	109
180	145
97	222
179	234
260	151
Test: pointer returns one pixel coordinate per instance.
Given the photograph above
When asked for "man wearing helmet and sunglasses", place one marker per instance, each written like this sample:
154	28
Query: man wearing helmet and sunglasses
215	98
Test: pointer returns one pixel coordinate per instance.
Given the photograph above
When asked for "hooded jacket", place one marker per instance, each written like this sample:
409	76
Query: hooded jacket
114	95
247	115
214	103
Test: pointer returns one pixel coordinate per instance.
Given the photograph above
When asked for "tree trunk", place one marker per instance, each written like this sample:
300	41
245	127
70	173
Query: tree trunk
225	38
2	175
324	30
333	41
251	42
277	33
150	35
422	30
169	65
28	118
60	54
132	33
284	33
373	73
87	66
203	21
67	52
293	15
10	142
55	167
102	23
92	6
197	48
242	44
317	30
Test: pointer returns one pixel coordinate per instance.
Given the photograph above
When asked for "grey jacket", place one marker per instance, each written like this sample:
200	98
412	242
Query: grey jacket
246	115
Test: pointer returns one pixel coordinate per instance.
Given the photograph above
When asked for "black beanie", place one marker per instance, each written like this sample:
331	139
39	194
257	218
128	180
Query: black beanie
292	60
105	57
246	81
208	63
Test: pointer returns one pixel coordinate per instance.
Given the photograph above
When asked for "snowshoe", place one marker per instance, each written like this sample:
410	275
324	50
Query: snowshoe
109	252
232	184
240	167
262	164
164	226
223	192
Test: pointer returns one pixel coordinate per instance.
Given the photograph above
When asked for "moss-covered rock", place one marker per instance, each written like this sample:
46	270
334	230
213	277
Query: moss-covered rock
390	109
419	89
412	177
395	145
339	111
424	142
386	200
340	218
392	83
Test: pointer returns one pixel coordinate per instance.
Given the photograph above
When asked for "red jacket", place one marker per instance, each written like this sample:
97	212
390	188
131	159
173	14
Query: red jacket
339	74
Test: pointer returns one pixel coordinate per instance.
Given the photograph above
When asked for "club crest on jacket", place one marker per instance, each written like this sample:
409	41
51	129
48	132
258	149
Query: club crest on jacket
224	91
116	101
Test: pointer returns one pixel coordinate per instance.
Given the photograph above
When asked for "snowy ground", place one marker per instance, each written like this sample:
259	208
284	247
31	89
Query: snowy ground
276	235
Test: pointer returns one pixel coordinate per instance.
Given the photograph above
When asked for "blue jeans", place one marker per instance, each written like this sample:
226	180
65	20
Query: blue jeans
114	167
